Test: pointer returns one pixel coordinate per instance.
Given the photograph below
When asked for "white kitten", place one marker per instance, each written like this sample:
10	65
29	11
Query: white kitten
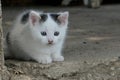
38	36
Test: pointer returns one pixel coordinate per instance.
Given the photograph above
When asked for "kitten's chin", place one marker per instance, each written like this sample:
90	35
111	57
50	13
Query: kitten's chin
50	44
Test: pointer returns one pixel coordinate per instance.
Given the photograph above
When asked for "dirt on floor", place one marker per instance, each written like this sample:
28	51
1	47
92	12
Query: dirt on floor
63	71
91	50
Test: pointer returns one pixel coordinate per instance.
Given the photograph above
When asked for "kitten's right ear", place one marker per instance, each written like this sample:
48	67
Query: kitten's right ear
34	17
63	17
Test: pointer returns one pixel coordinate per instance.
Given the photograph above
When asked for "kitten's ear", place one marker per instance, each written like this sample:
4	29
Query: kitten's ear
63	17
34	17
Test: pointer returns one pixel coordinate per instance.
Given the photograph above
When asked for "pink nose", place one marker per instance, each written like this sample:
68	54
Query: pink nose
50	41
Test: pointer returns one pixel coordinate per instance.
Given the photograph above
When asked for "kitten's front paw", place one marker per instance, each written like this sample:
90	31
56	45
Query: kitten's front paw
44	60
58	58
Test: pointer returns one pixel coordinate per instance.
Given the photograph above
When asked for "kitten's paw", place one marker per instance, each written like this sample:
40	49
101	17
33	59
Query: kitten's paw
44	60
58	58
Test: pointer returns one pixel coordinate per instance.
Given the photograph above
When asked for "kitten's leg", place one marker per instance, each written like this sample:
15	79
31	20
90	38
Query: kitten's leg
42	58
57	56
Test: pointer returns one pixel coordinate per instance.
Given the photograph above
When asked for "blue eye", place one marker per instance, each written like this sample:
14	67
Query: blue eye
43	33
56	33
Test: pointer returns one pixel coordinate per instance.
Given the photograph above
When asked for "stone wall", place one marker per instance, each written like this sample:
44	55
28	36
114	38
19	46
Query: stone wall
1	46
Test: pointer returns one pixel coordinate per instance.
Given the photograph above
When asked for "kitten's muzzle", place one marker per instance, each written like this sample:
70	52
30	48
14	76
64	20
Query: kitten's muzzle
50	41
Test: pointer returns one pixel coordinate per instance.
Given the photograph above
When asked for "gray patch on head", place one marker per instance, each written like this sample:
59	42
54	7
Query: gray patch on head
25	17
43	17
55	17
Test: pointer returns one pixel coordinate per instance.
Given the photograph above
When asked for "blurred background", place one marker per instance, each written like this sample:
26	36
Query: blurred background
57	2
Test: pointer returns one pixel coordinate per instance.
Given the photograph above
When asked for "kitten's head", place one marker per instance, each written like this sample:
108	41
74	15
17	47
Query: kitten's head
49	28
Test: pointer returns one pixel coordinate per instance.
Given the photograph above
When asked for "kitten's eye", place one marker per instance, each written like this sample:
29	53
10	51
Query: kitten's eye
43	33
56	33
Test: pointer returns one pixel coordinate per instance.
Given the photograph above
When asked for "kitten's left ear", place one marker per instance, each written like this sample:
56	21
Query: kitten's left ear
34	17
63	17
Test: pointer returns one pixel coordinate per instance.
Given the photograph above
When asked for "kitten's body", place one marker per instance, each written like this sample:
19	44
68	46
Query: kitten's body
38	36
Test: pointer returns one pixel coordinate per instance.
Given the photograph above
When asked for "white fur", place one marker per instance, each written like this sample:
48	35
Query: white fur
28	39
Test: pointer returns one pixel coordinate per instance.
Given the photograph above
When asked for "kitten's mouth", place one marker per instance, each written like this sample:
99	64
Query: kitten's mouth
50	43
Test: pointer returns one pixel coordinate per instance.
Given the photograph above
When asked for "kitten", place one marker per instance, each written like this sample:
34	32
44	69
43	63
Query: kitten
38	36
